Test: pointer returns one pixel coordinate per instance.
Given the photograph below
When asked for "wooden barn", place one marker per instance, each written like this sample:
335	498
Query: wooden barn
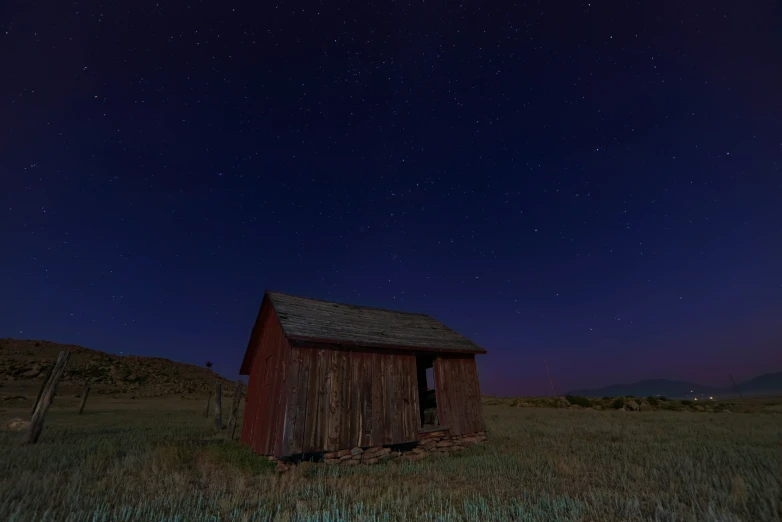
327	376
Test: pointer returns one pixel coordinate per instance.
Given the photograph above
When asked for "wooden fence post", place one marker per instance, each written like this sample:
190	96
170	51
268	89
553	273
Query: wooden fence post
208	402
43	385
36	423
84	398
234	409
218	407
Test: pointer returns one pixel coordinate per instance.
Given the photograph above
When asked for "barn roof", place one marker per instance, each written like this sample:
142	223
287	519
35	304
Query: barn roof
306	320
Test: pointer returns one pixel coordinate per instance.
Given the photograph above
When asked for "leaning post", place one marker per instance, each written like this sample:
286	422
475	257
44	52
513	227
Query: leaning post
84	398
47	394
43	386
234	409
208	402
218	407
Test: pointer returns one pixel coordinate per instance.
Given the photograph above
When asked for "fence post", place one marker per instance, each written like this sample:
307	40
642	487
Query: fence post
208	402
218	407
43	385
36	423
234	409
84	398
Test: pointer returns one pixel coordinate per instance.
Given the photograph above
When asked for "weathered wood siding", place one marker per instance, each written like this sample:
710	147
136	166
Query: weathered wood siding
264	409
458	394
340	399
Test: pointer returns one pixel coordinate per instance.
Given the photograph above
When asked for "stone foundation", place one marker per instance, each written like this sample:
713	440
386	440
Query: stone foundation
433	442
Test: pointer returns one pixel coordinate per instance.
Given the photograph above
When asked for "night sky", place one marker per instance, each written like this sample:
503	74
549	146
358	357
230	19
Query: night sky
598	185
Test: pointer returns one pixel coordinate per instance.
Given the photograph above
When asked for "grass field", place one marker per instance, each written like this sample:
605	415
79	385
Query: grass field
129	460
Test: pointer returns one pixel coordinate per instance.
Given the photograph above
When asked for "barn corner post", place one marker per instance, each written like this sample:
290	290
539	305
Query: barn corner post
218	407
234	409
47	394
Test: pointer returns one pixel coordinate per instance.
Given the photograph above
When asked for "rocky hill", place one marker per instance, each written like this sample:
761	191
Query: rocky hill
27	361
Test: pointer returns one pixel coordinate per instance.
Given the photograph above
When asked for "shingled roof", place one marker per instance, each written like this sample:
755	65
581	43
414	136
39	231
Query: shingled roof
305	320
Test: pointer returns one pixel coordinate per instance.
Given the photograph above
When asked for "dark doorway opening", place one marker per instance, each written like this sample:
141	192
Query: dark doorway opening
427	398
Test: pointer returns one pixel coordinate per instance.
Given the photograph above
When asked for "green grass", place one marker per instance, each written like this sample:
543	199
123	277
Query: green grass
139	464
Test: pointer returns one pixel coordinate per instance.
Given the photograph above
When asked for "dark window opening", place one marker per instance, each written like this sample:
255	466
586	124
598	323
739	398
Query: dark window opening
427	399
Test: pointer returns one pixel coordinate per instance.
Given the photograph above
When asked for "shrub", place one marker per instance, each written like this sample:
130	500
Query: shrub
664	398
651	400
618	403
579	401
686	403
607	398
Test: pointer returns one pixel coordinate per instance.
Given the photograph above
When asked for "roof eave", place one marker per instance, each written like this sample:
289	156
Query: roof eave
298	340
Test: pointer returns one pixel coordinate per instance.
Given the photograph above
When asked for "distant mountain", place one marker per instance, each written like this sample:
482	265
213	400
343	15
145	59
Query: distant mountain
766	384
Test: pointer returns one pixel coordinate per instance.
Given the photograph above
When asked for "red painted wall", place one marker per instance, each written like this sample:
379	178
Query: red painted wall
264	409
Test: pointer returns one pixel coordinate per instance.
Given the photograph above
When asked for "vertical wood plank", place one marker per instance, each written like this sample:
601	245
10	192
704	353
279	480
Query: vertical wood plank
475	394
261	428
459	400
454	397
399	399
402	401
467	395
262	420
282	396
457	394
292	399
324	407
422	389
479	425
332	428
388	399
366	399
315	360
297	403
441	392
355	430
378	404
258	369
414	413
275	380
347	418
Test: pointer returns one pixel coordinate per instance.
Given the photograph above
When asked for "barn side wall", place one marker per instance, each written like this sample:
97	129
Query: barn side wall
458	394
343	399
264	410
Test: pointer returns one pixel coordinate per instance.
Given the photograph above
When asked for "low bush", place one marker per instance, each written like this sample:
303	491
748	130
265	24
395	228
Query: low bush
618	403
579	401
